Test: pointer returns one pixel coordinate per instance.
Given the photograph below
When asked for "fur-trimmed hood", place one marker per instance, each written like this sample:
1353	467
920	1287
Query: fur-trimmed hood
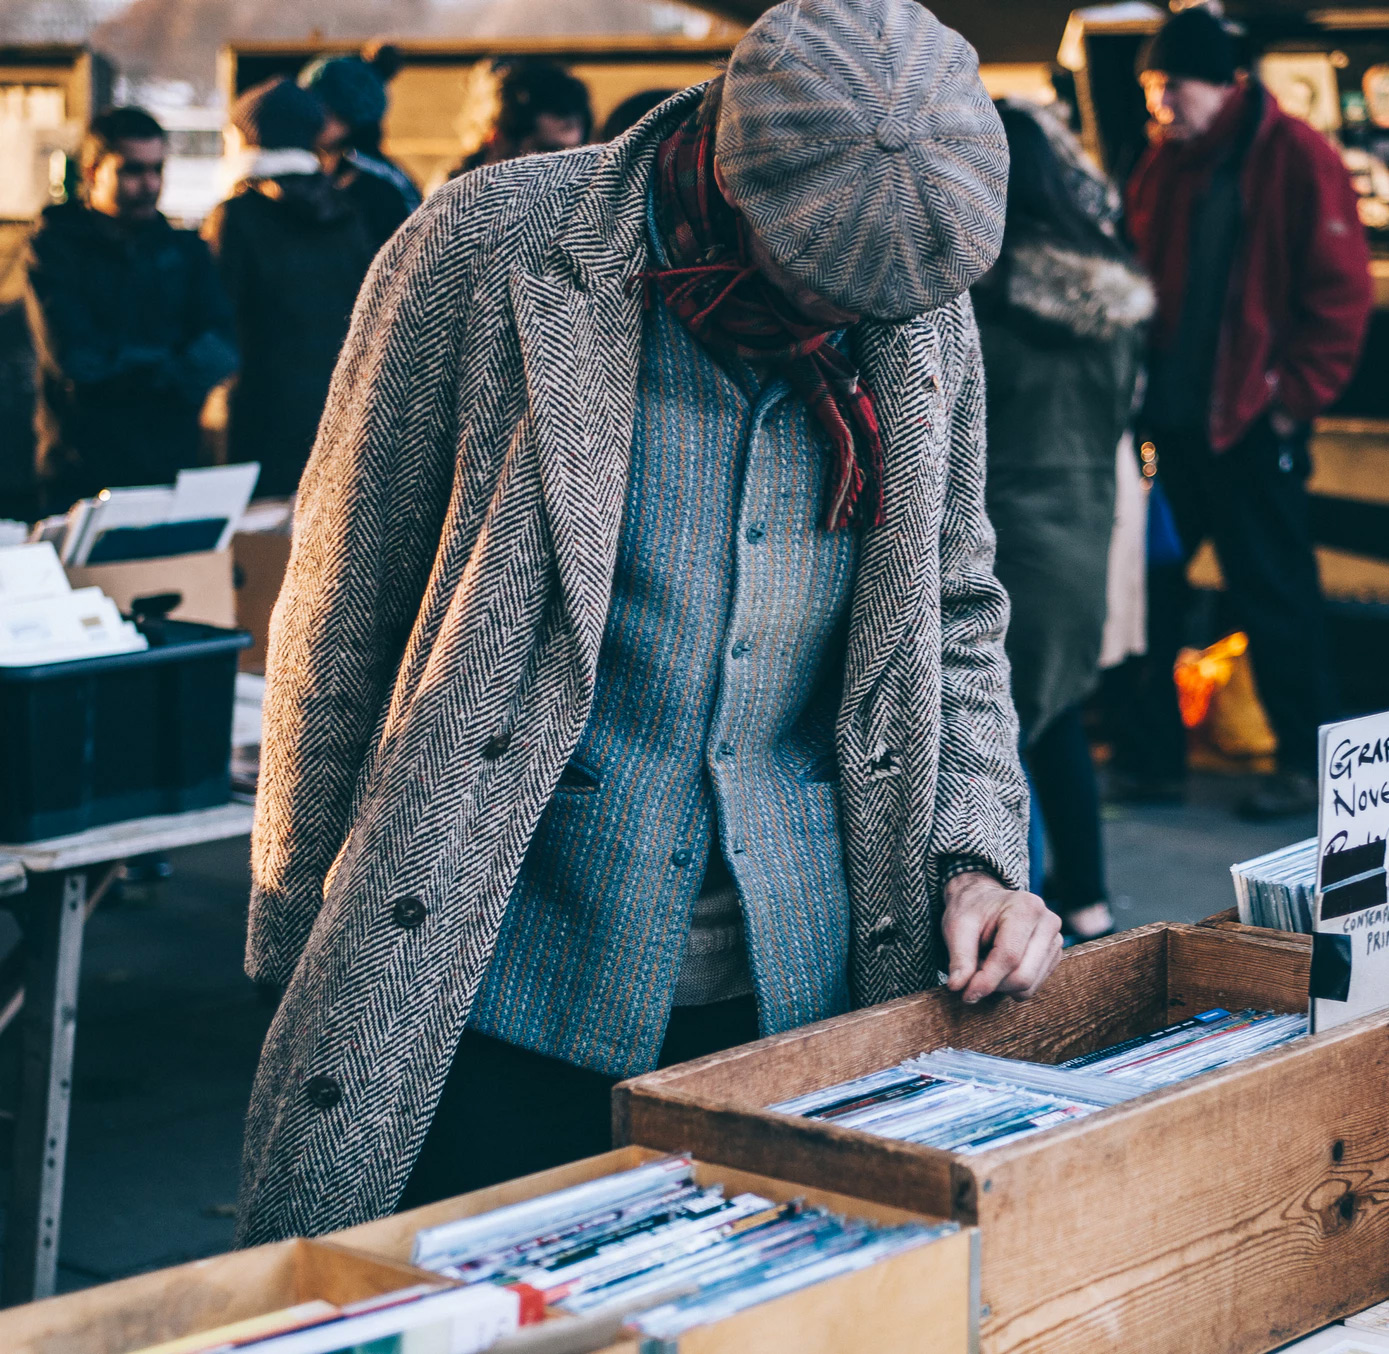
1093	297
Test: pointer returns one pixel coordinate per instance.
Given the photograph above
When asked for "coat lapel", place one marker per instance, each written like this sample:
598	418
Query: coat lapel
580	348
900	366
579	319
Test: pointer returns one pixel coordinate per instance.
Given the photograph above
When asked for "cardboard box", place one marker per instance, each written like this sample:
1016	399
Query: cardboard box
1231	1212
169	1303
204	581
260	558
924	1301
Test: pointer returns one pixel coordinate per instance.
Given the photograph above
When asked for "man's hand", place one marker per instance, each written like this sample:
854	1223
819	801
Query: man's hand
1000	940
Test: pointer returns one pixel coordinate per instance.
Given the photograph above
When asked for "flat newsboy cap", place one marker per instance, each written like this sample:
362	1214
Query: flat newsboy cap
858	140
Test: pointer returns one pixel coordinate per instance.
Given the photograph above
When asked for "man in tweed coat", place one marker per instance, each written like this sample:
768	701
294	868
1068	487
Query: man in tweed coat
638	682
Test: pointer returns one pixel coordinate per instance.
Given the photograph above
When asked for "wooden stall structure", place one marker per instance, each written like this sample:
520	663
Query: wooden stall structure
1232	1212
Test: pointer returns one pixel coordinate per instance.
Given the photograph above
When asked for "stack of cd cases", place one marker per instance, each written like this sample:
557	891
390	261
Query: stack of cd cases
656	1253
967	1102
1277	890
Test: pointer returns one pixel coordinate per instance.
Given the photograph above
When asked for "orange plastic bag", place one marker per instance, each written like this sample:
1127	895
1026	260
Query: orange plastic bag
1217	696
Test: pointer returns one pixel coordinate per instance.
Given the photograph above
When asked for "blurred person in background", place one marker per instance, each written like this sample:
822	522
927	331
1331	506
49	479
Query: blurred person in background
1061	320
638	681
542	107
352	90
1247	223
631	111
130	323
293	251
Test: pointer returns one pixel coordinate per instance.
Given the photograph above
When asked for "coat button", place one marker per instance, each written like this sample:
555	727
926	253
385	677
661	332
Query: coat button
726	751
408	913
496	745
681	858
756	532
883	931
740	648
884	765
323	1092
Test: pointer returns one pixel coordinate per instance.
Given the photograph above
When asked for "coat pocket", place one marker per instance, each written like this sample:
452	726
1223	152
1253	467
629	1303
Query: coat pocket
577	779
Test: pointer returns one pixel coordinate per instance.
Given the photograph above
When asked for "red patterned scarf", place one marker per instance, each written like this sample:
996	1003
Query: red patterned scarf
726	303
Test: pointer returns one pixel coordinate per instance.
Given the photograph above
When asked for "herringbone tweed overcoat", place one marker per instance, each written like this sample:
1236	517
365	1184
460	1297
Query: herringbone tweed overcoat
434	648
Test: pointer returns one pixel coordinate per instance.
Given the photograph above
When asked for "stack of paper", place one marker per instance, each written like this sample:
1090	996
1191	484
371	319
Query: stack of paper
652	1249
1278	889
966	1102
43	620
200	511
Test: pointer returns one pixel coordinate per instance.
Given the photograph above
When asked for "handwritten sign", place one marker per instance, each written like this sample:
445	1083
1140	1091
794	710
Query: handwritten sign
1350	956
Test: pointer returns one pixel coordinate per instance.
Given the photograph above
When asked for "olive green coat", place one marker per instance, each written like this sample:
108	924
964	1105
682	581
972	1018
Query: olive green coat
1062	342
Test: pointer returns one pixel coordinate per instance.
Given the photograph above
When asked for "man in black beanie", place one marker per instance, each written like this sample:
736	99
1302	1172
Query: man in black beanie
1247	223
293	251
352	91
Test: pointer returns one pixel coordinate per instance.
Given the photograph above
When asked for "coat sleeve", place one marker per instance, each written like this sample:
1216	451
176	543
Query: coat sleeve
1333	292
66	334
981	798
367	527
210	355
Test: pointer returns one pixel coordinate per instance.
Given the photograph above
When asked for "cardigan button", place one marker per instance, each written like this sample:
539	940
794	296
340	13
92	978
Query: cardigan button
740	648
323	1092
681	858
496	745
408	913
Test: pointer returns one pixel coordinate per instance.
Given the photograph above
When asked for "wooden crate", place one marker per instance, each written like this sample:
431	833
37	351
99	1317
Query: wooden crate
924	1301
150	1308
1229	1213
1229	921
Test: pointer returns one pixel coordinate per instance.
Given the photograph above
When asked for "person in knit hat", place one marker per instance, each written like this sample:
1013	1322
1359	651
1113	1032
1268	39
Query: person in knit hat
292	250
352	90
1246	220
638	685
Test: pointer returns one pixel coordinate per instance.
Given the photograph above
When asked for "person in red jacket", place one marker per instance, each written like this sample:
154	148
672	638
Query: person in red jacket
1247	223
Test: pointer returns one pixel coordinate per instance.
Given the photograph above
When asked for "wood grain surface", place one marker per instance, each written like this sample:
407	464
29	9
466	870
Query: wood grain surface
1233	1213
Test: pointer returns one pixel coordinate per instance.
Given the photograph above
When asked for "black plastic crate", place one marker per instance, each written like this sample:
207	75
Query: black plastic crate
99	740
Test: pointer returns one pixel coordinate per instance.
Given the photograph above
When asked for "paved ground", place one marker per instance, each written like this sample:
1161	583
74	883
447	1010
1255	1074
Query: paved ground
169	1029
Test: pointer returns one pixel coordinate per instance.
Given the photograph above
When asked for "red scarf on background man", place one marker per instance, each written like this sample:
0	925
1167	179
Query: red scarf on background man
726	303
1170	180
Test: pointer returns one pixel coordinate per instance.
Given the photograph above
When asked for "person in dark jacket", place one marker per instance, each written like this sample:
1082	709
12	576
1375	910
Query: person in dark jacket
352	91
129	321
293	251
1247	222
543	108
631	111
1061	320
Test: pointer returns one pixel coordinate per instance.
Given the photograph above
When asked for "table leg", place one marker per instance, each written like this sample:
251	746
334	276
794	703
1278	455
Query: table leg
52	916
